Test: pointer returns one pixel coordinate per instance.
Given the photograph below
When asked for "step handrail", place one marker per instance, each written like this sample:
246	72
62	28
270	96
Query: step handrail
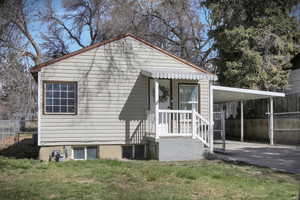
202	130
202	118
175	111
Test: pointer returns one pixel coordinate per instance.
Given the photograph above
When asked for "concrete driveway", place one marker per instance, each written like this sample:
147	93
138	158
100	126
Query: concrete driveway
279	157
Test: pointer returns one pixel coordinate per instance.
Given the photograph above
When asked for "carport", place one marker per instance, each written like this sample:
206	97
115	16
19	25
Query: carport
223	94
284	158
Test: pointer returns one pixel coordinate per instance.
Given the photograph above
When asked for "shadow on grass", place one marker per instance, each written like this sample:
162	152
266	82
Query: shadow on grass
23	149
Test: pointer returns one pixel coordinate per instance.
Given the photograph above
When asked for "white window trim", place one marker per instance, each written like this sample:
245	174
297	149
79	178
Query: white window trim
180	103
75	98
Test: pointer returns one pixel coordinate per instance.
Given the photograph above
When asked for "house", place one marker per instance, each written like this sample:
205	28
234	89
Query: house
126	98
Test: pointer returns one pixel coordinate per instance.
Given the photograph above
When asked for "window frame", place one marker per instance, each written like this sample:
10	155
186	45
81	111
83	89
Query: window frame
85	152
75	98
198	97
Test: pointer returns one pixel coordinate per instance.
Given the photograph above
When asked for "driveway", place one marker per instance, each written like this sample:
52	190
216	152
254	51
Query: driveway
279	157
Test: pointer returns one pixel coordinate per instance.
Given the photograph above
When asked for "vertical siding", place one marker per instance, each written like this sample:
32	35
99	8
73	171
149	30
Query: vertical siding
112	94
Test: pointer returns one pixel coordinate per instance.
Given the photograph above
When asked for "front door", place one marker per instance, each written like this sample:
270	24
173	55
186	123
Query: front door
164	94
164	99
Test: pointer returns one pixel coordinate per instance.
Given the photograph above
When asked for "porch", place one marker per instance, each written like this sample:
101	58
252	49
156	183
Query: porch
178	115
186	112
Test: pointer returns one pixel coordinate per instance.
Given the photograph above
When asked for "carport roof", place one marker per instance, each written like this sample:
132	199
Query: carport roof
229	94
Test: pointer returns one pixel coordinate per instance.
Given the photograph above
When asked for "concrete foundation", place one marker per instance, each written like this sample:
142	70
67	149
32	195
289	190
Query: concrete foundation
46	152
180	149
104	152
113	152
165	149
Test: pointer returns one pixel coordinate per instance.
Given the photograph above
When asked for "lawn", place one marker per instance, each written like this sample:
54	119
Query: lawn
104	179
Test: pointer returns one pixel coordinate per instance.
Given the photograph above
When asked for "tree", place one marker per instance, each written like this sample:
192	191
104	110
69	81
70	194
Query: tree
32	32
171	24
255	41
16	18
16	88
176	26
18	50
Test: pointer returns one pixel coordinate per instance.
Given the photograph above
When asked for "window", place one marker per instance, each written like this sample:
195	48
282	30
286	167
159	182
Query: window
85	153
78	153
60	97
188	97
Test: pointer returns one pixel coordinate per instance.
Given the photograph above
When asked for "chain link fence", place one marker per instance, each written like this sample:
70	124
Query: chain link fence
11	130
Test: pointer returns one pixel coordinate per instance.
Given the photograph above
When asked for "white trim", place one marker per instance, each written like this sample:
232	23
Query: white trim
39	108
248	91
175	111
84	148
75	98
85	151
156	104
80	143
211	117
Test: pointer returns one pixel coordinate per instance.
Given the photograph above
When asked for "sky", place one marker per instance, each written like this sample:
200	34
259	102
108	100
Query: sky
39	28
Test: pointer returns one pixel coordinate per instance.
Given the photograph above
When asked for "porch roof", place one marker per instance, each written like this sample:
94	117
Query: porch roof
177	74
229	94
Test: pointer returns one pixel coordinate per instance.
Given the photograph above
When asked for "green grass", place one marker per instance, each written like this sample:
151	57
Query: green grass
104	179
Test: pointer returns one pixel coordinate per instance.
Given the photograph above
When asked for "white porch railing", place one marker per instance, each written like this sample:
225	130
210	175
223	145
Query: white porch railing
174	123
202	129
182	123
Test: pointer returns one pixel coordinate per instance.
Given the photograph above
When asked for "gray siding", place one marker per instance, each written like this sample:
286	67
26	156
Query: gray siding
112	94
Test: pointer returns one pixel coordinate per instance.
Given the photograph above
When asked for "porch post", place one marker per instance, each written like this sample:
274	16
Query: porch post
156	103
242	121
193	124
271	125
211	118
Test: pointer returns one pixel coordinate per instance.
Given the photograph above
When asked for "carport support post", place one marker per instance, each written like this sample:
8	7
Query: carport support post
156	103
242	121
211	118
271	125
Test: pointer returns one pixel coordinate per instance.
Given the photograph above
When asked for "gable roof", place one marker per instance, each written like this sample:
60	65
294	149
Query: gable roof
38	67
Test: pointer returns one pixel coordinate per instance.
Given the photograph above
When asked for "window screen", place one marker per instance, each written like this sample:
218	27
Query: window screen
60	97
188	97
79	153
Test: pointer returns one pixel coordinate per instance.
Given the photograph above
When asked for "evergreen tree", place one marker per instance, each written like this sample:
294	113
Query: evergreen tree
255	41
